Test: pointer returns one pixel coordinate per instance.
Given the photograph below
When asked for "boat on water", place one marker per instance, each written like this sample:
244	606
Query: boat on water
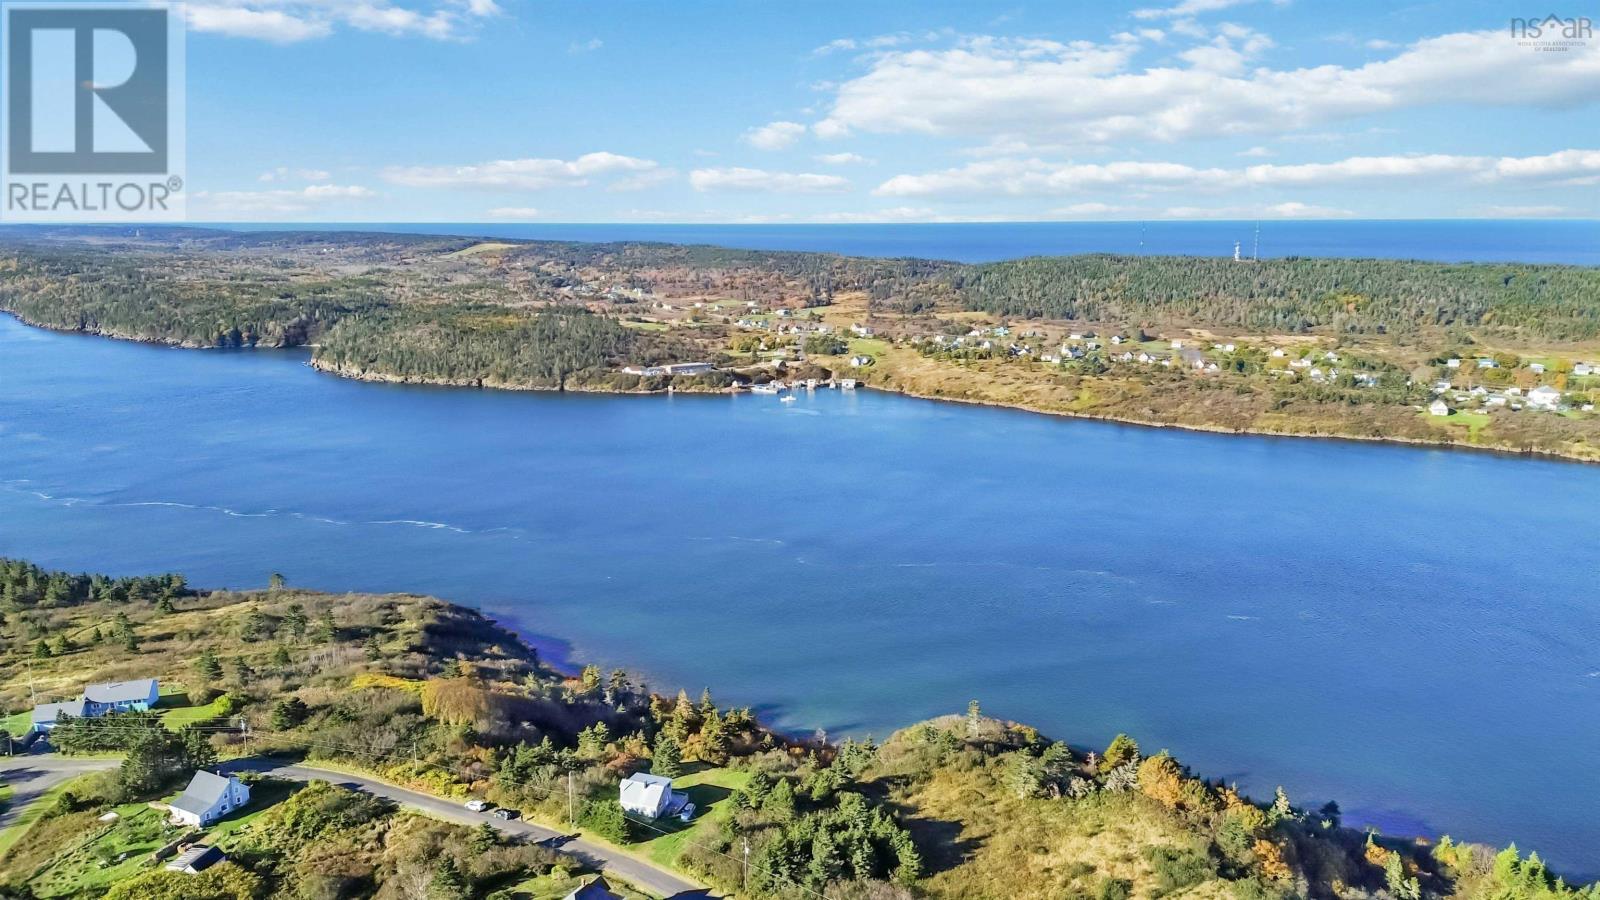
788	399
765	388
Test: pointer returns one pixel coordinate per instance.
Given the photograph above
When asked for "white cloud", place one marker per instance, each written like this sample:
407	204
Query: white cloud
513	212
588	46
757	180
1530	212
842	159
288	21
521	174
1042	91
275	203
273	25
284	173
1026	177
1089	209
1256	152
1291	210
1188	8
774	135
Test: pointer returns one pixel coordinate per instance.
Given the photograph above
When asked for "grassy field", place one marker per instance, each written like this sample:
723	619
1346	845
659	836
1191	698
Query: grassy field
10	836
709	789
18	724
121	849
176	711
1473	422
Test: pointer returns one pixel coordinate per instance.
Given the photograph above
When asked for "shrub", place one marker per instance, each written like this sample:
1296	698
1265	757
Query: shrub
606	819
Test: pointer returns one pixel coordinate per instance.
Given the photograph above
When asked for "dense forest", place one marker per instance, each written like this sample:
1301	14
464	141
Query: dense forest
1293	295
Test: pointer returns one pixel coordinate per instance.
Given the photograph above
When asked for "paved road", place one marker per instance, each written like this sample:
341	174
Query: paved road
31	775
628	868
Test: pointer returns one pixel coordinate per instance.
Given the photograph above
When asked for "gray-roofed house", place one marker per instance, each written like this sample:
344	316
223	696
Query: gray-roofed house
99	699
196	859
120	696
208	798
652	796
45	715
596	889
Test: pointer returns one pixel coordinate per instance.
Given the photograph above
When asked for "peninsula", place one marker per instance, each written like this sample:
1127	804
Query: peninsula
1487	355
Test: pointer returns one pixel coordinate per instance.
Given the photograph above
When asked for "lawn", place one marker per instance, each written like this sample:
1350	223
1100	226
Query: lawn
122	849
19	723
1473	422
176	711
35	810
709	789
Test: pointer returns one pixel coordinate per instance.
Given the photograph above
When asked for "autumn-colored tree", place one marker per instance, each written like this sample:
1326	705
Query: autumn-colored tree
1269	857
1161	779
456	701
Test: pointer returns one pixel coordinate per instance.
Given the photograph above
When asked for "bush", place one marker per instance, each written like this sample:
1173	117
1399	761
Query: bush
1177	869
607	820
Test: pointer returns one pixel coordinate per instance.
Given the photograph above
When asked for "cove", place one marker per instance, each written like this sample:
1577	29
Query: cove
1412	632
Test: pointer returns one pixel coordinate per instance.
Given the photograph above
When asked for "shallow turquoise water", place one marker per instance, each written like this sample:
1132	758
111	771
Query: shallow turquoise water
1415	633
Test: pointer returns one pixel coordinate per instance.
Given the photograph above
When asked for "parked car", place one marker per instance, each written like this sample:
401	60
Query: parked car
503	813
477	805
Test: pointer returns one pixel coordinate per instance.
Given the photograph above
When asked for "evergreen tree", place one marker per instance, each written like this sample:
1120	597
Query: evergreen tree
667	758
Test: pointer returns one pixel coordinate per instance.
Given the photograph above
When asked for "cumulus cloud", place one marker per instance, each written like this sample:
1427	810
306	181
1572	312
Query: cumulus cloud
759	181
1025	177
513	212
275	203
1044	91
285	173
288	21
774	135
521	174
842	159
1189	8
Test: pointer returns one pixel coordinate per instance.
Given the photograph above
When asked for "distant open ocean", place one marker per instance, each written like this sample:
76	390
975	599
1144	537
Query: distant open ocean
1575	241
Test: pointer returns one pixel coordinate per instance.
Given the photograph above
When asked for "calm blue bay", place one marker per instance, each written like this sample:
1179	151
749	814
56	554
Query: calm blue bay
1412	632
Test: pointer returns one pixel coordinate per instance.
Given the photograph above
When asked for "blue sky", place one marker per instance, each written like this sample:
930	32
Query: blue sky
482	110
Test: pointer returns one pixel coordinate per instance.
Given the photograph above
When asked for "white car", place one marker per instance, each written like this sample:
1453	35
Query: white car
477	805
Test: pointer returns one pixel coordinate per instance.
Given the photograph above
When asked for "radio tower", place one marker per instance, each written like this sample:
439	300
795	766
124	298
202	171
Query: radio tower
1255	251
1235	251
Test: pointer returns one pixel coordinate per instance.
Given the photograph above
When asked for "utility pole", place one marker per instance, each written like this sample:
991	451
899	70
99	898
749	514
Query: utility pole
746	842
572	820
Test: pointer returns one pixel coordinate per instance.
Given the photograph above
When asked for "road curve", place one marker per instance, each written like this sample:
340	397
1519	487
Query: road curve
635	871
31	775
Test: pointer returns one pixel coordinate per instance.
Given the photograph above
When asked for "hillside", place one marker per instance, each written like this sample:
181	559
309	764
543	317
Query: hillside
437	698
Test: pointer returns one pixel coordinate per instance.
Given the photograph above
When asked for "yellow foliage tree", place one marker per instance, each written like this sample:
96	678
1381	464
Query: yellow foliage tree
1269	857
455	701
1161	779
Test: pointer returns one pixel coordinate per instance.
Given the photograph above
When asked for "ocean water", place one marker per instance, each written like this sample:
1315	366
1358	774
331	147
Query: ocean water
1574	241
1412	632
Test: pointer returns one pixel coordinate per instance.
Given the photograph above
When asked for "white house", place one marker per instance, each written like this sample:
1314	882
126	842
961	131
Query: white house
1452	363
208	798
652	796
1582	369
1545	397
98	699
1439	408
1536	368
866	360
